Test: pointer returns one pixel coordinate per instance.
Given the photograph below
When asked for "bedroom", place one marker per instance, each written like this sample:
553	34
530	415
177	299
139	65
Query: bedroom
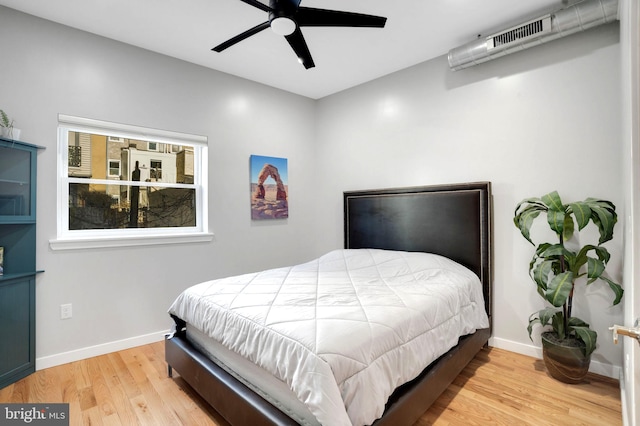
422	125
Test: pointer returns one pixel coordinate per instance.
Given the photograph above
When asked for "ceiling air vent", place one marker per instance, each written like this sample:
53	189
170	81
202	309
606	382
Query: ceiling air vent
580	16
520	33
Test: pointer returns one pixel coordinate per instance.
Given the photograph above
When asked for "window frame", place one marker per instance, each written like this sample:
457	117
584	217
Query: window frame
154	170
96	238
109	174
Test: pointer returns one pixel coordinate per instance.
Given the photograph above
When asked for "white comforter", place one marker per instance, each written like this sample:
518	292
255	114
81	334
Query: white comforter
344	330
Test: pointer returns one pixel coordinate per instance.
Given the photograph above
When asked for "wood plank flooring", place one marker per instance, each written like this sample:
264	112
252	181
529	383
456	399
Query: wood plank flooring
131	387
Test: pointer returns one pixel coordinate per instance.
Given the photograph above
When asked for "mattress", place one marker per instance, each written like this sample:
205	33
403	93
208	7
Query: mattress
256	378
344	330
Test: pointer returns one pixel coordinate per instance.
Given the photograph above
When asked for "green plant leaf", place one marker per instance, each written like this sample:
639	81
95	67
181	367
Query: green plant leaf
525	222
617	289
582	212
556	221
542	248
581	259
555	211
524	219
567	227
588	336
532	322
530	201
605	218
553	202
595	268
540	275
557	322
546	315
542	317
603	254
4	119
570	260
559	288
554	251
577	322
602	203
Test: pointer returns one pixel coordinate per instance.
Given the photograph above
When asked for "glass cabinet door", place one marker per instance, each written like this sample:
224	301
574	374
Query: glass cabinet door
15	181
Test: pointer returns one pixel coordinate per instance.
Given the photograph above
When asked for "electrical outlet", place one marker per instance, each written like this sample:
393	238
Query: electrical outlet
65	311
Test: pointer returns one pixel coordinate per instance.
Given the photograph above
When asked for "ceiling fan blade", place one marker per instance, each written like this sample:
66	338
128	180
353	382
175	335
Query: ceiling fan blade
299	45
257	4
311	17
240	37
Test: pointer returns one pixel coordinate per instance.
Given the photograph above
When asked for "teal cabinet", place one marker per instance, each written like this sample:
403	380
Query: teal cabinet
18	162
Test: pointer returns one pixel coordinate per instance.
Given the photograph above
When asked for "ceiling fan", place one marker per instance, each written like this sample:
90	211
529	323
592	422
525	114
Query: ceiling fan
286	17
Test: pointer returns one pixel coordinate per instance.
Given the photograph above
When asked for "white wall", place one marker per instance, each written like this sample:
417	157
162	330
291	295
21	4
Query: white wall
541	120
124	293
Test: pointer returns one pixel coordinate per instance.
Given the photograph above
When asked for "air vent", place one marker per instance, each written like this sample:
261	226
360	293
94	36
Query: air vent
578	17
520	33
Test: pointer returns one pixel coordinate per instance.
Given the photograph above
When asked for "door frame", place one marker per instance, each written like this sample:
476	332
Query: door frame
629	14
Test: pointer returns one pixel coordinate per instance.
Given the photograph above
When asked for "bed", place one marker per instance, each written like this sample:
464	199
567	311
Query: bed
394	225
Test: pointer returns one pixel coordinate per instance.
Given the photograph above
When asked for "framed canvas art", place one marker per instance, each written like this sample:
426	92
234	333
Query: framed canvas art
269	188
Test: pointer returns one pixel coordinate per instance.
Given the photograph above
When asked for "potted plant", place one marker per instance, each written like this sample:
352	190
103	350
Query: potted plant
555	267
6	127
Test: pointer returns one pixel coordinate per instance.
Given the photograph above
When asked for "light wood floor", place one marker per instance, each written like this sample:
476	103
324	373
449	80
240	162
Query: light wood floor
131	387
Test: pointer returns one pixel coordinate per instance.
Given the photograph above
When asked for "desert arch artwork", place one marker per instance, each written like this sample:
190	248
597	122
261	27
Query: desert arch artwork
269	187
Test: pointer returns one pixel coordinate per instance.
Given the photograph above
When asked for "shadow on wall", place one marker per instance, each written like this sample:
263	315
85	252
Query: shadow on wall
550	53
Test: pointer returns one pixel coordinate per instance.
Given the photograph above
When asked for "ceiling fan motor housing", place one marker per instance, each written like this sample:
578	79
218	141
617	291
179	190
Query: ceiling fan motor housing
281	16
283	8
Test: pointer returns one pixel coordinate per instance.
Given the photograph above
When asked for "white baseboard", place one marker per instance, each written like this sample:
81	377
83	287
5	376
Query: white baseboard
607	370
105	348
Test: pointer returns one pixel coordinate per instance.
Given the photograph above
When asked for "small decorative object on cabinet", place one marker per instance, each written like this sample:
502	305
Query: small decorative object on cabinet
6	127
18	240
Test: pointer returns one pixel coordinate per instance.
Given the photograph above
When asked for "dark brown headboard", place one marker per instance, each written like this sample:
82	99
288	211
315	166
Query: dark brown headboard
451	220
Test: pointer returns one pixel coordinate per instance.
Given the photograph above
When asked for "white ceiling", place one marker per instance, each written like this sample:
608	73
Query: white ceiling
416	31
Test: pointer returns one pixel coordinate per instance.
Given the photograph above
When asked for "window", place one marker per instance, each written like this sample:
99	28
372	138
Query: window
156	170
112	193
114	168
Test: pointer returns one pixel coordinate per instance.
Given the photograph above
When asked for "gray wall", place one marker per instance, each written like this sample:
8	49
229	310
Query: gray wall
123	293
530	123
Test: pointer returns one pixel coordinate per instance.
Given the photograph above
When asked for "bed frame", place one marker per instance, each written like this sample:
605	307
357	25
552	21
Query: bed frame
451	220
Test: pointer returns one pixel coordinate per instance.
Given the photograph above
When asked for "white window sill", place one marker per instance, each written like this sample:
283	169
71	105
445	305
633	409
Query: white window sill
128	241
